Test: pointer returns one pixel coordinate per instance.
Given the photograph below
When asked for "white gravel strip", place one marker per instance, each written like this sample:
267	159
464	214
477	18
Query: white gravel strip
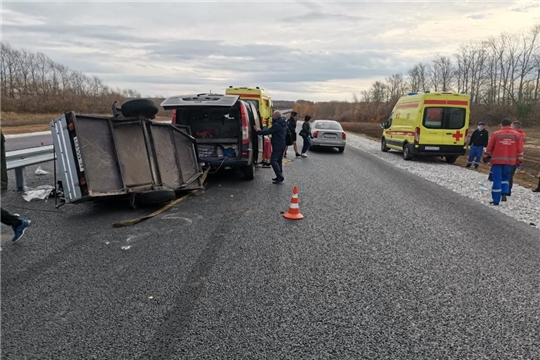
523	205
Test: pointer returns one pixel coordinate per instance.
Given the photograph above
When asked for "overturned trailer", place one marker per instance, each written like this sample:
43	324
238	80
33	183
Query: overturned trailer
126	155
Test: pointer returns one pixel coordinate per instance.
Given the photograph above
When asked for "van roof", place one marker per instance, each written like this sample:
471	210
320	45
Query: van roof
199	100
433	96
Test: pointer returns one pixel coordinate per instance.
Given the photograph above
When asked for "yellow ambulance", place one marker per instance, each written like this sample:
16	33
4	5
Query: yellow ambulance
259	97
428	124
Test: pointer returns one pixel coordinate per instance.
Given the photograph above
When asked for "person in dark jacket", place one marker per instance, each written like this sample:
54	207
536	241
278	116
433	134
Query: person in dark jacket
305	133
279	141
477	143
291	139
4	169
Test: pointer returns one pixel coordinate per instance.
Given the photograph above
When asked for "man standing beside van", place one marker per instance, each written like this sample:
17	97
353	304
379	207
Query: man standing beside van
278	130
504	151
479	140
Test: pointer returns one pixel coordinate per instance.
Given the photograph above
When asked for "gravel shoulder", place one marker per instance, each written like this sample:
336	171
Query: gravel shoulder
523	205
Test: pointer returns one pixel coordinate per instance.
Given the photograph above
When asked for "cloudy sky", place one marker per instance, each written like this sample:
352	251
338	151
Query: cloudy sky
297	50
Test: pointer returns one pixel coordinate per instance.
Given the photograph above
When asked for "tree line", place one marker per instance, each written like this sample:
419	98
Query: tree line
501	75
33	83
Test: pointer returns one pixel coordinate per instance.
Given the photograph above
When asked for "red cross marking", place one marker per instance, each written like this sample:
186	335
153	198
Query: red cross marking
458	135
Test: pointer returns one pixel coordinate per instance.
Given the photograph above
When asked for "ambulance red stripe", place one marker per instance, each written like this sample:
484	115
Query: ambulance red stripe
435	102
407	106
457	102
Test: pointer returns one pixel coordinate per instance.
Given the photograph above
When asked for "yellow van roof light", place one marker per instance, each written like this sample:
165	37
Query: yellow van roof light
427	91
412	93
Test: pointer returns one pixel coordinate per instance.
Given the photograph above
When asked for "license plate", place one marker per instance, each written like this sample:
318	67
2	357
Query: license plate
329	136
432	148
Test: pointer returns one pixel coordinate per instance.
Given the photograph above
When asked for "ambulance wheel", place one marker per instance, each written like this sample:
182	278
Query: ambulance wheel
143	107
384	148
407	153
451	159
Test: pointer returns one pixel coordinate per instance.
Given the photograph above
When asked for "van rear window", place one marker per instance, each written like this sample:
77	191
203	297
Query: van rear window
212	122
444	118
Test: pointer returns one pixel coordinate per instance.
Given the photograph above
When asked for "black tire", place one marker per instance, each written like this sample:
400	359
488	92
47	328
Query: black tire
407	153
384	148
140	107
249	171
451	159
155	197
341	149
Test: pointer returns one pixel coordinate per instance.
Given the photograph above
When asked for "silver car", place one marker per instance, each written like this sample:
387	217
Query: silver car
328	133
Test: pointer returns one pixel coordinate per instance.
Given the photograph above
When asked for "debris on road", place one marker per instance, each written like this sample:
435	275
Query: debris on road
42	192
40	171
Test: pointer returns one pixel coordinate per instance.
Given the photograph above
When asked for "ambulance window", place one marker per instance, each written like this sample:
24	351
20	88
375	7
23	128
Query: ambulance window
444	118
254	102
455	118
433	118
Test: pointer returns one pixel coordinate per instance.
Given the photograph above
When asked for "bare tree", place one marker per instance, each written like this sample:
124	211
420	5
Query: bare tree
444	70
419	77
396	87
32	82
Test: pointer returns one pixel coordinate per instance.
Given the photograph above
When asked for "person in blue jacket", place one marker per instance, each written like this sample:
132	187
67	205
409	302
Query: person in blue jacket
279	141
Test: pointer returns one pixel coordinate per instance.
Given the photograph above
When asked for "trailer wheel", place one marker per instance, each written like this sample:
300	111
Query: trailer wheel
140	107
249	171
155	197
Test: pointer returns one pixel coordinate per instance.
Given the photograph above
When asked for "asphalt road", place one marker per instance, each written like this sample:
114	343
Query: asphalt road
22	142
385	265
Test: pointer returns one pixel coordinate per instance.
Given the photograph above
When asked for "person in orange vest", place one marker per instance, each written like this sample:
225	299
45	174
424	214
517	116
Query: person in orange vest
516	125
504	151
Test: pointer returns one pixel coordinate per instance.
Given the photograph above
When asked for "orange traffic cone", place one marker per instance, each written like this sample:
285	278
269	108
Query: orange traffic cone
294	210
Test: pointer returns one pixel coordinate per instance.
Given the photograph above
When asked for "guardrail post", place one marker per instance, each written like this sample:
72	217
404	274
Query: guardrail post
20	178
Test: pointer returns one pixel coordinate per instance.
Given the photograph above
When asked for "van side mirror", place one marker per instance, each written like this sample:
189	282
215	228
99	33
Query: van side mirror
384	124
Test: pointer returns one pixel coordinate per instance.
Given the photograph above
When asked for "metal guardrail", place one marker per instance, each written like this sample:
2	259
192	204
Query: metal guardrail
18	159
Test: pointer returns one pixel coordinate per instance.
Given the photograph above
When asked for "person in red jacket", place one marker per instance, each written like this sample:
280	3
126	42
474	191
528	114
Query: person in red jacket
504	151
516	125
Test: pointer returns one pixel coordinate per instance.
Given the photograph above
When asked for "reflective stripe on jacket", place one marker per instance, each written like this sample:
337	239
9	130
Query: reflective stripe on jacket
505	147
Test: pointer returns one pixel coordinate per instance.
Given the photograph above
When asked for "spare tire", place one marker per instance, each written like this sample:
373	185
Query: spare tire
139	107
